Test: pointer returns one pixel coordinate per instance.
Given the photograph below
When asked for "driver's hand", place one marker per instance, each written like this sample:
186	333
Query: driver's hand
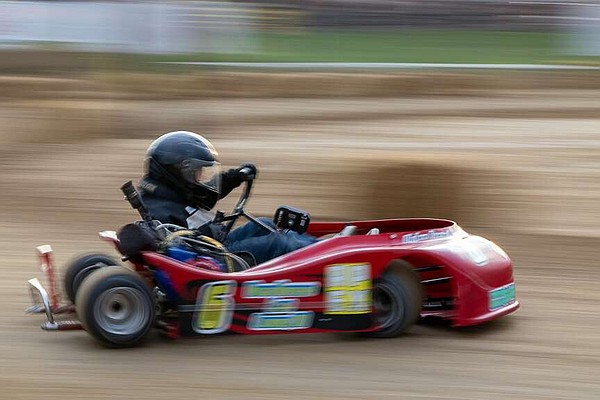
247	172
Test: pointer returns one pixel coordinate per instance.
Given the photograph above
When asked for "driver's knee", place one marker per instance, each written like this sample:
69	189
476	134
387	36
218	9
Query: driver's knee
248	230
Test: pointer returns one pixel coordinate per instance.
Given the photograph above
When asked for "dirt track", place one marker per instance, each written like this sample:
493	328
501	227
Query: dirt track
527	178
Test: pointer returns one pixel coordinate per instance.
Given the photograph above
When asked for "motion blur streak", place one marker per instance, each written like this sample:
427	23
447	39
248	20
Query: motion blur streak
85	86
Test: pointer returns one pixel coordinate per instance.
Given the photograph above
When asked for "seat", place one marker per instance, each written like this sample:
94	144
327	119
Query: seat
248	260
374	231
189	246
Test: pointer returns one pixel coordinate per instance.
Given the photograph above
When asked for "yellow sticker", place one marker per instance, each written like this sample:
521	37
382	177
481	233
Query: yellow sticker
348	288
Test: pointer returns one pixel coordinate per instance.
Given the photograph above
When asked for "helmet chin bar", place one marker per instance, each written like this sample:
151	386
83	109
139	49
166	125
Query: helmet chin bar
204	200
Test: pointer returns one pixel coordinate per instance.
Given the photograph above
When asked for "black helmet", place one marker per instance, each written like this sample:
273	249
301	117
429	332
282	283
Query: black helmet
188	163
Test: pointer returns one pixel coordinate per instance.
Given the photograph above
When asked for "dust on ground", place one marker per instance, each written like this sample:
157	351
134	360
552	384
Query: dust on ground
520	168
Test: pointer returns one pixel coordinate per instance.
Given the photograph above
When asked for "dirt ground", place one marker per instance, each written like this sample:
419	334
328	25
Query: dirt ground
520	168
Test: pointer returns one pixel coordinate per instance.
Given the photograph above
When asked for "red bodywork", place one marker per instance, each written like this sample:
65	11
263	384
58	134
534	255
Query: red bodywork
457	270
324	287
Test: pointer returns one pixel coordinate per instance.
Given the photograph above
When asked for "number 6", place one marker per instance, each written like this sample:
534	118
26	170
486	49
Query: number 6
214	307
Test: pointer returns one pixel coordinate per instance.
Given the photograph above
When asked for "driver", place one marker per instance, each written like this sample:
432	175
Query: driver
182	183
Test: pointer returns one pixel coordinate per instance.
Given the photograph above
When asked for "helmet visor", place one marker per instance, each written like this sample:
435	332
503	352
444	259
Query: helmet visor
203	173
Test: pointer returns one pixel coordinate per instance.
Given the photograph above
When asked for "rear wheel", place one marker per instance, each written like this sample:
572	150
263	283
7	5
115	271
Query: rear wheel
80	268
115	305
397	302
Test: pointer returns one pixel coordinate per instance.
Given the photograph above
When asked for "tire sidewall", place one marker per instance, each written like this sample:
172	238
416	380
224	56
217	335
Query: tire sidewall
94	286
81	268
405	296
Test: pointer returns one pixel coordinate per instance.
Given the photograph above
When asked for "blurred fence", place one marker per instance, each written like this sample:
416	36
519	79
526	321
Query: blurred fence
480	14
150	26
585	29
129	26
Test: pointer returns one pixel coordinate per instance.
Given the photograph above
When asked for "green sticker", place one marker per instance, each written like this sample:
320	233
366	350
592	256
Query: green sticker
502	296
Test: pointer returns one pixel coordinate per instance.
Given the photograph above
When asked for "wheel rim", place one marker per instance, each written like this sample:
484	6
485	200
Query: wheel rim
385	307
122	311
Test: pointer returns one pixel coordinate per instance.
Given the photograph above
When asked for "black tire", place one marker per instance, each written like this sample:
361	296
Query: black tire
397	302
80	268
116	306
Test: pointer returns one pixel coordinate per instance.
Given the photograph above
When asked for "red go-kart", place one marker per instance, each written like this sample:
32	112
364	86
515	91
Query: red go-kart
376	277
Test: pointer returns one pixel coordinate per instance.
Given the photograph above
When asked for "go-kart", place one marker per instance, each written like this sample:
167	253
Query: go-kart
376	277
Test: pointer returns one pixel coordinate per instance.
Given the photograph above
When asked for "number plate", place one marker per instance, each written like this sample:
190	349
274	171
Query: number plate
502	296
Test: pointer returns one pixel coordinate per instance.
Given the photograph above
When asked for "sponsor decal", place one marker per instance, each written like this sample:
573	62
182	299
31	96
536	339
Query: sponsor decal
281	305
280	308
214	307
348	288
476	249
473	249
422	236
281	288
216	302
281	321
502	296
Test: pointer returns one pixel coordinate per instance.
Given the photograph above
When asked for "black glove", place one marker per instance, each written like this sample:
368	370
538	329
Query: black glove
247	172
235	177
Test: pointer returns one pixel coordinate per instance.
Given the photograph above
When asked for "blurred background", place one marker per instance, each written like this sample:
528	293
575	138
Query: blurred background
482	111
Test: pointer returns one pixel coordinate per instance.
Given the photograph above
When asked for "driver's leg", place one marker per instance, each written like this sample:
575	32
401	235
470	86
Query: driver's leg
249	229
274	244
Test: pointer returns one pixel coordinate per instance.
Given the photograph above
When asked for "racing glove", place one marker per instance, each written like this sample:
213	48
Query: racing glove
247	172
236	176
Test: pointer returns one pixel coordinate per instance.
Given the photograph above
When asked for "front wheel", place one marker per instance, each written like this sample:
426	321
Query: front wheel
397	302
115	305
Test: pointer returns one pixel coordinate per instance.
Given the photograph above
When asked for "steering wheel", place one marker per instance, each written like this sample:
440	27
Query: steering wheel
238	210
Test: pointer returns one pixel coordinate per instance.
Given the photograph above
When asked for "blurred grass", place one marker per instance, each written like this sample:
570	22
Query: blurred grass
419	46
407	46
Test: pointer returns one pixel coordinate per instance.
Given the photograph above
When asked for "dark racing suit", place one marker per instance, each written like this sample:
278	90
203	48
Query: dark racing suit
168	206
